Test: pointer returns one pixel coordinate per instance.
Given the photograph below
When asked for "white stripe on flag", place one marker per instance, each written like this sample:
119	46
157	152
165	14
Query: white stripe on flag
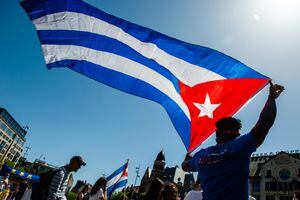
123	178
188	73
55	53
114	180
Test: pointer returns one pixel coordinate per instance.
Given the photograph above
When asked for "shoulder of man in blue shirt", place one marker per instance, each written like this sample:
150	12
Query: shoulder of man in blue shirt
243	145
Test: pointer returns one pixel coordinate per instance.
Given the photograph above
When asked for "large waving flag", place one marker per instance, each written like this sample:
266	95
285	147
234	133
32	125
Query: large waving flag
117	180
196	85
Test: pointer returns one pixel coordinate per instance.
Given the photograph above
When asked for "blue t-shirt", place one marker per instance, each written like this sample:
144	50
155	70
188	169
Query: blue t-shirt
224	169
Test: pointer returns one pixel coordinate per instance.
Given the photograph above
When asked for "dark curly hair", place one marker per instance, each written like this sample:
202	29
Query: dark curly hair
227	129
229	124
100	184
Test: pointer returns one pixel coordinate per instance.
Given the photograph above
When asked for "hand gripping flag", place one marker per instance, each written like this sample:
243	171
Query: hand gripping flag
196	85
117	180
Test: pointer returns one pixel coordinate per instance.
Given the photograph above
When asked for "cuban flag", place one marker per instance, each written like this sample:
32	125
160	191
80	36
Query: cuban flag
196	85
117	180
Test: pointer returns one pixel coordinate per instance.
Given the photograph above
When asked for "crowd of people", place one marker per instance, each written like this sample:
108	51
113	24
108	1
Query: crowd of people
12	191
158	190
223	169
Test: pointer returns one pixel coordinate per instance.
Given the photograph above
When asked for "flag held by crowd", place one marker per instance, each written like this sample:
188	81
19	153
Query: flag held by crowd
117	180
196	85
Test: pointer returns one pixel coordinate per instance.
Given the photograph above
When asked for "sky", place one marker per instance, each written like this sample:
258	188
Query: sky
69	114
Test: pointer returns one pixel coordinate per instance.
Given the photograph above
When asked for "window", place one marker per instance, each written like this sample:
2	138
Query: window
269	173
268	197
285	186
280	186
267	186
3	126
291	188
10	133
285	198
20	142
257	197
256	186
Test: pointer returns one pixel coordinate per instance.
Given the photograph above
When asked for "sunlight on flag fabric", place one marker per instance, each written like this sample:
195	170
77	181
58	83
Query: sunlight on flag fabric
196	85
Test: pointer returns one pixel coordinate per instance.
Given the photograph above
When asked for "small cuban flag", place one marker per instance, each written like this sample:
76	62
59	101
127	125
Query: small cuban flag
118	179
196	85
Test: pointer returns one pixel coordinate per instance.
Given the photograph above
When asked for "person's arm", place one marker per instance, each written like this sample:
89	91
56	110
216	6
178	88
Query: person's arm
102	195
55	185
267	116
186	163
80	196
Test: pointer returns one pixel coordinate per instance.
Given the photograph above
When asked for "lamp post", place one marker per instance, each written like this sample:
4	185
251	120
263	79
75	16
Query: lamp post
136	178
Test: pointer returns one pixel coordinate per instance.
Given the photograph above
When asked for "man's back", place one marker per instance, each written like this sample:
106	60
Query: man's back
224	169
58	184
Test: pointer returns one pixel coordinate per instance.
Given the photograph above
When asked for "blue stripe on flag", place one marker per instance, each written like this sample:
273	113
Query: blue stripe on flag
103	43
118	171
205	57
120	184
132	86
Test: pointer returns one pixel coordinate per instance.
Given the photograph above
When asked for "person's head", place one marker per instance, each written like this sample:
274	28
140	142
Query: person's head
228	129
170	192
75	163
86	188
197	185
155	189
100	184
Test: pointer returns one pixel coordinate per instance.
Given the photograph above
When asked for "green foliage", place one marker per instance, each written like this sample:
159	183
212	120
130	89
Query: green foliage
22	169
128	195
71	196
117	196
10	164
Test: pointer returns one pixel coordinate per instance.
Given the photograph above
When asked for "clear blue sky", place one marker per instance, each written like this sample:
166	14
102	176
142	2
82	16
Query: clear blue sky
70	114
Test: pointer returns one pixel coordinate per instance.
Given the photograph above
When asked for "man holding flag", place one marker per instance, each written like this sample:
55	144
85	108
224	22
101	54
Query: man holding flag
224	168
196	85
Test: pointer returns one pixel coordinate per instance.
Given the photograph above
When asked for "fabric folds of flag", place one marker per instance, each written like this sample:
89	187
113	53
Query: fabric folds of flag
196	85
117	180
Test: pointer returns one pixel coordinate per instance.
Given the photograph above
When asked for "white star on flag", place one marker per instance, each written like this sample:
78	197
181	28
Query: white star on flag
207	109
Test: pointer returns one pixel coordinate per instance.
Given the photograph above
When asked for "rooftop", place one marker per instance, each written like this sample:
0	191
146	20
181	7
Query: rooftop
12	123
259	159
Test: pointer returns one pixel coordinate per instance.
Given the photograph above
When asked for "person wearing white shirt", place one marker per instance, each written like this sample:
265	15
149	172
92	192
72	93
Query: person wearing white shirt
98	191
195	193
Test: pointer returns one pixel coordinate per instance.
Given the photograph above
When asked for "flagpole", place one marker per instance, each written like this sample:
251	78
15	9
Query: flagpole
137	176
124	193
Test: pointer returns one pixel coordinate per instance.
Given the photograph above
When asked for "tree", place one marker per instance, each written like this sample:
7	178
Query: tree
117	196
71	196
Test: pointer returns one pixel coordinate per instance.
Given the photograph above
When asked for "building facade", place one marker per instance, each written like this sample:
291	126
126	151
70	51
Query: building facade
12	138
274	176
182	179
